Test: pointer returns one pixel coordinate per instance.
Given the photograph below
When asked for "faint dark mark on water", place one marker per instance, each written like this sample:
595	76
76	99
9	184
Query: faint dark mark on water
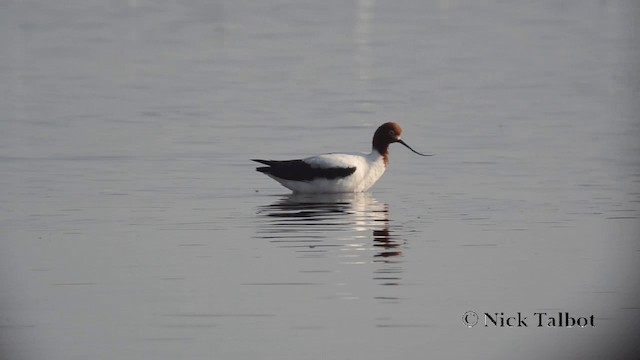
386	274
592	185
74	284
189	326
386	254
292	241
166	339
388	299
290	237
213	315
283	284
479	162
190	229
309	246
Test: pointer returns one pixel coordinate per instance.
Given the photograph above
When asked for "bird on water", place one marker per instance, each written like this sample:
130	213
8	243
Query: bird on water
337	172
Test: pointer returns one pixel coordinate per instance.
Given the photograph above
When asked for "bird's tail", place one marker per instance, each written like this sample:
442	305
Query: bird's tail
263	169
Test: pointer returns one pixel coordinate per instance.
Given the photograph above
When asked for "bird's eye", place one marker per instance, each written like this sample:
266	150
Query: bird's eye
392	133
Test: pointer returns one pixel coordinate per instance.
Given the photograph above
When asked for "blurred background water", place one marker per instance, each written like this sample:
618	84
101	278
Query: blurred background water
133	225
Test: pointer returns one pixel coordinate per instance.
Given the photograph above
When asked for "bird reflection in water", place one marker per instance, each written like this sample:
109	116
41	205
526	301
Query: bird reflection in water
353	227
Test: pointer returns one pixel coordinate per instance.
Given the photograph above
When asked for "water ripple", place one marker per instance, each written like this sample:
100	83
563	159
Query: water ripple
353	228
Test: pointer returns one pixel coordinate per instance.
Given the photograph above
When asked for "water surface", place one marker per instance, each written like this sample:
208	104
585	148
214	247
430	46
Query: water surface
134	226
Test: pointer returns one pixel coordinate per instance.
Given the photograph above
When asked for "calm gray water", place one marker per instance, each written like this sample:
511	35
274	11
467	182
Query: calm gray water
134	226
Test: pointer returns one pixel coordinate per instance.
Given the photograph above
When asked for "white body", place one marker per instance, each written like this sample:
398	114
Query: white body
369	168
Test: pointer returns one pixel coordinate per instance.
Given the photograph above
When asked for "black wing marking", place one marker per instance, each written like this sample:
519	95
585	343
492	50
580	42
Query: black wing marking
299	170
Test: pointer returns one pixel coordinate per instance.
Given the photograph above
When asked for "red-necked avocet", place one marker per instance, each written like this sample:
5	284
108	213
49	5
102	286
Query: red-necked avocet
337	173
